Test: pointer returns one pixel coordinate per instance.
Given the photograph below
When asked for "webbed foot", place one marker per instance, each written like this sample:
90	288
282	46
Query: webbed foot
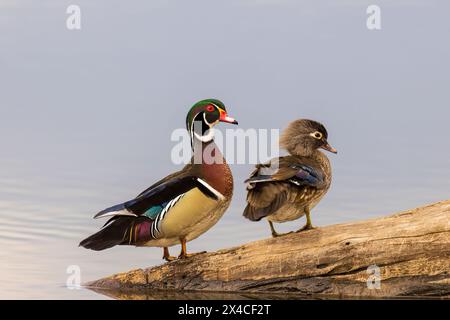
188	255
276	234
184	254
306	227
167	256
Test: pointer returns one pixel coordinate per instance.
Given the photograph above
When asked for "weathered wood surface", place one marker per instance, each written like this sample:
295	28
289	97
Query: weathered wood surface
411	248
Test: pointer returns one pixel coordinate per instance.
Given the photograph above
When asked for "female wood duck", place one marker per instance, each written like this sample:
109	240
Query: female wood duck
288	187
182	206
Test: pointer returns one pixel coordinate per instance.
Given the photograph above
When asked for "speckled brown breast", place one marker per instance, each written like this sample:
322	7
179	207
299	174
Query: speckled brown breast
300	198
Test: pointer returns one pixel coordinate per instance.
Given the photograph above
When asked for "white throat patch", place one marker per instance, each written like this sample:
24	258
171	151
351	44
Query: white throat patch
207	137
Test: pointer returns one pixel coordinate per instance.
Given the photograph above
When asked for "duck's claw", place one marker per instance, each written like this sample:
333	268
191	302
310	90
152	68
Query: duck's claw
170	258
276	234
188	255
306	227
167	256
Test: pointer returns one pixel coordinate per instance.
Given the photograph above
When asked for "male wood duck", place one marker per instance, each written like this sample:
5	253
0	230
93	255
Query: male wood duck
182	206
288	187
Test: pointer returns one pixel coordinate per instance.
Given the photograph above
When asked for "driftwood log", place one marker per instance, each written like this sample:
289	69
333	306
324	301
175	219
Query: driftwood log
409	253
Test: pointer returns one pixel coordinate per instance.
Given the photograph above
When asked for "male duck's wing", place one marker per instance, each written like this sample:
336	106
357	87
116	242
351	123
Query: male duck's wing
273	185
159	195
175	175
137	221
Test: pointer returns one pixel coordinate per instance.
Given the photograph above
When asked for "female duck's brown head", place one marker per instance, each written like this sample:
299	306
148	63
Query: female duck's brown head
302	137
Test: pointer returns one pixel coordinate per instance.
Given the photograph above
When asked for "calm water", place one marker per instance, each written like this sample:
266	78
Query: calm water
43	219
86	116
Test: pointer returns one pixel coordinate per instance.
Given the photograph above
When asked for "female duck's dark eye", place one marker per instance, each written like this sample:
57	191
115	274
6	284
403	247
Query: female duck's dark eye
210	108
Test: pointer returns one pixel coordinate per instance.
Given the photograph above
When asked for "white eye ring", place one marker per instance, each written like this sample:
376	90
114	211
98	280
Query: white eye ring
318	135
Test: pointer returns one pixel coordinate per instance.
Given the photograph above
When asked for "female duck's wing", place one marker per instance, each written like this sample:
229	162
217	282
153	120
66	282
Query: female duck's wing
287	170
273	185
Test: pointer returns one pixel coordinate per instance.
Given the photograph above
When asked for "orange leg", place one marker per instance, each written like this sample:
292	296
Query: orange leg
167	255
183	253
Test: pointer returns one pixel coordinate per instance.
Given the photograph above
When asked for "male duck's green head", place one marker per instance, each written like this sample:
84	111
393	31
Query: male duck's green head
203	116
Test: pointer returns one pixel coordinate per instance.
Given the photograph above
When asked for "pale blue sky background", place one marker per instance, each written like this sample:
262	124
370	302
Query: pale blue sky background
86	116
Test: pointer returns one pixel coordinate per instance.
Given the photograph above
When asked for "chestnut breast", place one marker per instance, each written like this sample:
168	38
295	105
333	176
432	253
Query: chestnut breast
217	173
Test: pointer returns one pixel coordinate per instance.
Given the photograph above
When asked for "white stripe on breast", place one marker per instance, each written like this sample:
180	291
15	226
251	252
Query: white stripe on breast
216	193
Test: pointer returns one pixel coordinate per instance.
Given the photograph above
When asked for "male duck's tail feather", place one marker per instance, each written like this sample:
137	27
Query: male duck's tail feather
117	210
111	235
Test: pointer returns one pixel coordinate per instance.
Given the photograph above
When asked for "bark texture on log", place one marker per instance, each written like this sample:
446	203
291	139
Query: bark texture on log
411	250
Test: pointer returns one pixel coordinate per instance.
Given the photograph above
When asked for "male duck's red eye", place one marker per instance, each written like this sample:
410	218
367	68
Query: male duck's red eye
210	108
